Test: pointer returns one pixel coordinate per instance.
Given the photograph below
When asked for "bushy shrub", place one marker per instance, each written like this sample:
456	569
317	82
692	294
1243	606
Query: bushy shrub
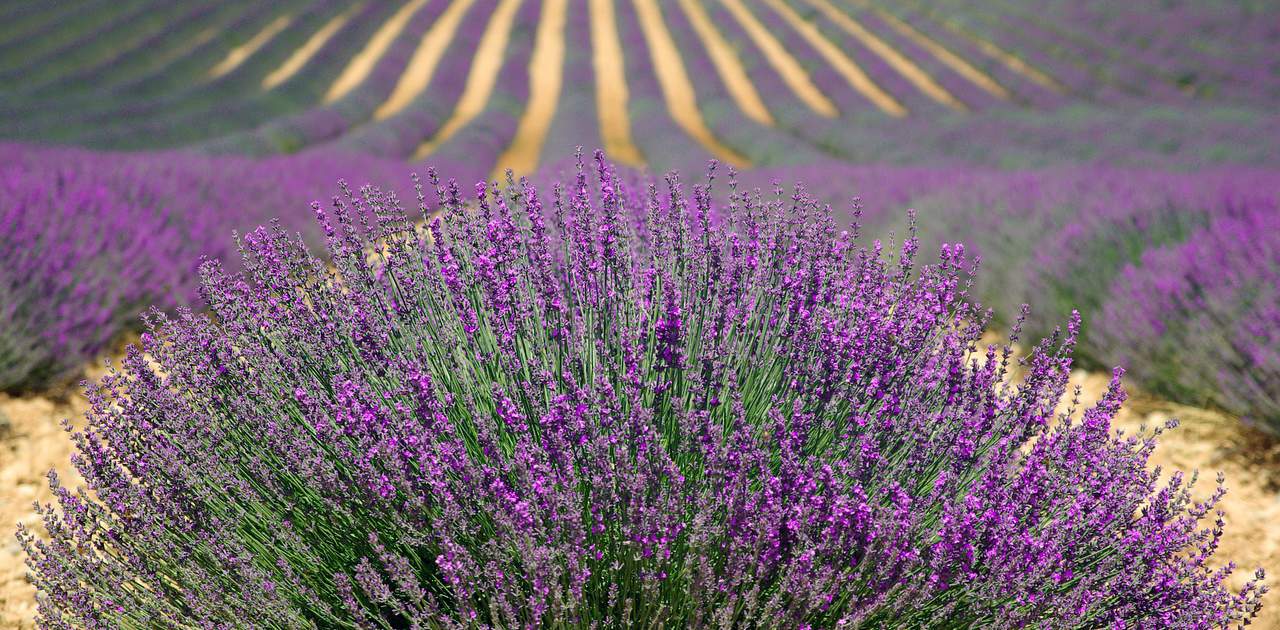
92	239
1214	298
78	261
1175	273
614	407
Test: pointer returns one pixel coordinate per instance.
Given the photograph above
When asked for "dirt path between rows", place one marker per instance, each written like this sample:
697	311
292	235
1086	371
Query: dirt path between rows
33	443
1205	440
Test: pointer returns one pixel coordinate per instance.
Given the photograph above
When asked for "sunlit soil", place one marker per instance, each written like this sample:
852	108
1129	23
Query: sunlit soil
677	89
546	73
942	54
422	66
298	60
239	54
729	67
840	62
782	61
360	66
611	85
482	78
1010	60
896	60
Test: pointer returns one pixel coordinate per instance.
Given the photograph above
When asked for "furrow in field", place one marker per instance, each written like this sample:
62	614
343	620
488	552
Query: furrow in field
81	91
957	63
1022	88
473	151
786	65
174	114
239	54
400	135
1011	61
360	66
762	144
727	64
1118	65
546	73
896	60
100	48
577	120
842	63
172	65
485	68
660	139
677	89
34	18
611	85
30	50
417	75
298	60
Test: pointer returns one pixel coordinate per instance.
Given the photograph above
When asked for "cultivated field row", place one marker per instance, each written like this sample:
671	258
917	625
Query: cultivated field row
746	81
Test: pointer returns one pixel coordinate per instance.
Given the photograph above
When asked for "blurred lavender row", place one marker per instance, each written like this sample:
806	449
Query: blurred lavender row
92	239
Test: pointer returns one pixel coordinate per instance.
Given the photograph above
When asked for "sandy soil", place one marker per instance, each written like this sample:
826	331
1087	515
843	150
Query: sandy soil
1209	441
33	443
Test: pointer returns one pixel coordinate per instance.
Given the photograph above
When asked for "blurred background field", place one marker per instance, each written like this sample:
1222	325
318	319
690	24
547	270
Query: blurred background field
1117	158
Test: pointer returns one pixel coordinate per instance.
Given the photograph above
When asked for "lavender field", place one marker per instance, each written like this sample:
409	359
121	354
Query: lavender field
660	313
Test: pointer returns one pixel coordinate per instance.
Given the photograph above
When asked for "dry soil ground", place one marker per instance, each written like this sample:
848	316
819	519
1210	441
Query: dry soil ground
1208	441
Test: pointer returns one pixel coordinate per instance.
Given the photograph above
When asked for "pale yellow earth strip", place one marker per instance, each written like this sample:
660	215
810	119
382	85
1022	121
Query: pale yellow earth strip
485	66
304	53
677	89
843	65
422	66
202	38
896	60
611	85
727	64
362	64
776	54
1010	60
942	54
242	52
546	73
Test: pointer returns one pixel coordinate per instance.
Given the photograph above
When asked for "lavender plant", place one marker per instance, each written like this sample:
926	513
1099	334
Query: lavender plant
69	285
90	240
610	407
1214	297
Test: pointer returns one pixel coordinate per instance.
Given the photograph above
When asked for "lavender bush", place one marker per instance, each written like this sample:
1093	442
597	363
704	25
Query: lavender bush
92	239
602	409
1175	273
1215	296
70	280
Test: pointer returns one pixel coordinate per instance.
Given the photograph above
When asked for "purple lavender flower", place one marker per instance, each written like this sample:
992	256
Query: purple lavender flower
645	409
93	239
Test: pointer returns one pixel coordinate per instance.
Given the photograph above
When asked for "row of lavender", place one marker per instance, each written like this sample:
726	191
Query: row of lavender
1224	50
91	240
1176	274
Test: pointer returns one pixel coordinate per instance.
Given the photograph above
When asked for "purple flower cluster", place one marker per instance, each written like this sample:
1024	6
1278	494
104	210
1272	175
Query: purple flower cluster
603	407
1175	273
69	278
1215	297
92	239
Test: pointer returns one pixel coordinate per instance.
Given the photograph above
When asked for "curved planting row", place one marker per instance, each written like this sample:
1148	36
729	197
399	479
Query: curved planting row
93	239
1175	274
1200	320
